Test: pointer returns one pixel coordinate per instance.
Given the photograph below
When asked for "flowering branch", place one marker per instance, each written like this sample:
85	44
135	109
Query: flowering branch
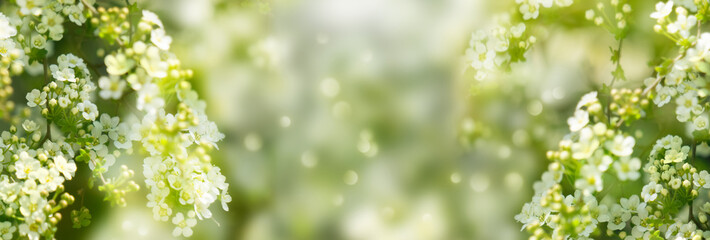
182	180
594	148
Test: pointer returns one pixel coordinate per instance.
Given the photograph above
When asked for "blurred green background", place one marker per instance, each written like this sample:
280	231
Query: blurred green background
359	119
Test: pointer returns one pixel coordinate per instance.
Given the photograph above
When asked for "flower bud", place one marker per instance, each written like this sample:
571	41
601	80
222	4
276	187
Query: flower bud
16	68
702	217
595	108
564	155
144	27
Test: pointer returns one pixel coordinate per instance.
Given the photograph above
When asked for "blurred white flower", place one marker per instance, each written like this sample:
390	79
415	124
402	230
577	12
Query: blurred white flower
6	29
578	121
662	10
621	146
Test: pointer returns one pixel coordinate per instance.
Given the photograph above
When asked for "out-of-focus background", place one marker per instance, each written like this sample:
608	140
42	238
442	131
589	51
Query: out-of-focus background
359	119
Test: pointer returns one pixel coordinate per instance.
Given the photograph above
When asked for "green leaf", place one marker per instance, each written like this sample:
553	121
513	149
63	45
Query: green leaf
81	218
619	72
656	235
37	55
135	13
83	156
663	69
615	55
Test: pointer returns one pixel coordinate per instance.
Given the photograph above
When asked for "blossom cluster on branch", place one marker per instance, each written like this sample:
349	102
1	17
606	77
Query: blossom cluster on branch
574	199
63	130
507	40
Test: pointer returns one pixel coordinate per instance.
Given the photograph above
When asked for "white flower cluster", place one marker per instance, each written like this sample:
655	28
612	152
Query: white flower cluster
70	92
496	48
678	30
591	150
620	13
37	174
67	102
670	148
664	176
598	141
680	83
627	105
598	147
588	153
24	35
530	9
679	79
672	183
505	42
44	163
47	17
182	181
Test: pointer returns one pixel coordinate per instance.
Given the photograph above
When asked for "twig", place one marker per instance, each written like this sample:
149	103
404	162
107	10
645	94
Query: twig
659	77
90	7
47	135
613	79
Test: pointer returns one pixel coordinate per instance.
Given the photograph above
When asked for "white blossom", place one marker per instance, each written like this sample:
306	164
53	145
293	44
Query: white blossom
587	99
6	29
111	87
621	146
148	99
184	225
118	64
650	191
627	168
662	10
158	37
67	168
586	145
578	121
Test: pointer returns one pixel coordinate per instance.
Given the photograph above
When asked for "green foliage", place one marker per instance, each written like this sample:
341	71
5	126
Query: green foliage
80	218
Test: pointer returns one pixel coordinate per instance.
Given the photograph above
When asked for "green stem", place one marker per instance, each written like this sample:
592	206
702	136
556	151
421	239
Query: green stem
611	85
